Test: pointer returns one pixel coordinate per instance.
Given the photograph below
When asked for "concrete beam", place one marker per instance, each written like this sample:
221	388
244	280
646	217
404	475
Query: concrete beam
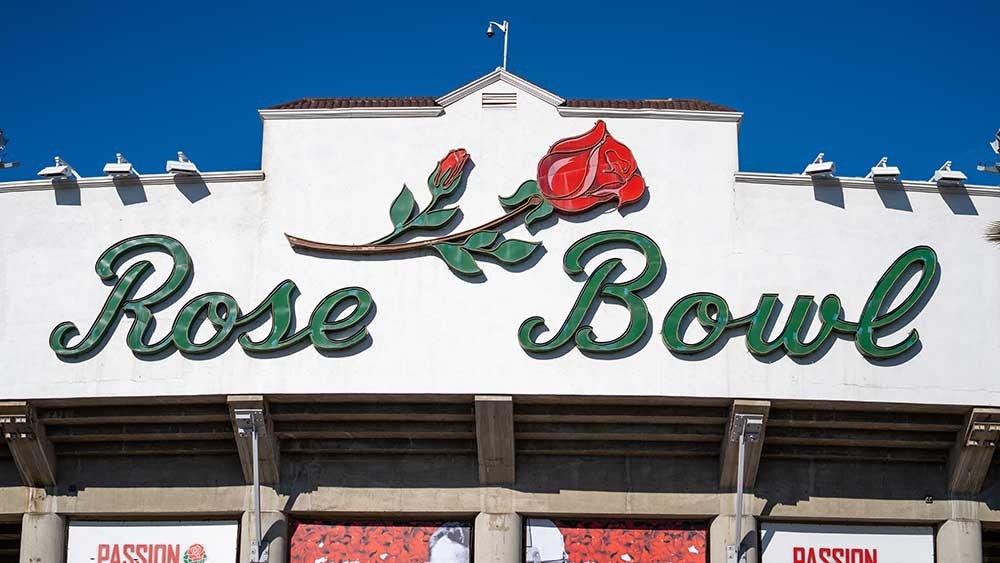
973	451
495	439
730	449
268	450
32	451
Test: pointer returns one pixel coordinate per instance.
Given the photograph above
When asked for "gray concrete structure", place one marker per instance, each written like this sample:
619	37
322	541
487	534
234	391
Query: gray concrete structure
43	538
960	541
274	525
498	538
30	447
495	439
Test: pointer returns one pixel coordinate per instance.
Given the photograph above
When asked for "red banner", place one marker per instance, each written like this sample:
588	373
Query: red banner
615	541
380	542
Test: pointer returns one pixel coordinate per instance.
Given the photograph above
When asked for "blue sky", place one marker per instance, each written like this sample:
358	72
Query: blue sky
916	81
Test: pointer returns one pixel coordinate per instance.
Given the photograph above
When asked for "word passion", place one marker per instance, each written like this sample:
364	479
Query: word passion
338	321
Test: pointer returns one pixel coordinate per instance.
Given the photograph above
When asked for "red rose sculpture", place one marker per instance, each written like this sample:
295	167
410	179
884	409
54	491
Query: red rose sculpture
581	172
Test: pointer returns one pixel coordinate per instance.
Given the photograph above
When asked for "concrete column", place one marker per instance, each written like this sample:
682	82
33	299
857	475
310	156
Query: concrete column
720	535
274	526
958	541
43	538
497	538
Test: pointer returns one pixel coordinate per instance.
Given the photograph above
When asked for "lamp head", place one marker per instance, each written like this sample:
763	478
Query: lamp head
489	30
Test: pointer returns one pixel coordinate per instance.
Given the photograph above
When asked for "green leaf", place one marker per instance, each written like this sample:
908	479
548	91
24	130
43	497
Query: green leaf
434	219
513	251
458	258
522	194
539	213
482	239
402	207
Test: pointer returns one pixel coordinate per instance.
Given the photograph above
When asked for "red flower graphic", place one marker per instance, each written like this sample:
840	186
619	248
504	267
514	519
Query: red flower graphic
621	541
449	169
581	172
195	553
379	542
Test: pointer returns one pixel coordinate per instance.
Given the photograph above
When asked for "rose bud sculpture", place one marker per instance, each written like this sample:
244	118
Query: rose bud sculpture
575	175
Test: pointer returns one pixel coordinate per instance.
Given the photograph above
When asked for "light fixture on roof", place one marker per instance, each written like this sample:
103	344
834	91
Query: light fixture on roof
995	143
60	171
882	172
504	27
3	145
182	166
820	169
120	167
945	176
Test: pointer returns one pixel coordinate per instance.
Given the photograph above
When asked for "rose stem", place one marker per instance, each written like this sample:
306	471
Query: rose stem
296	242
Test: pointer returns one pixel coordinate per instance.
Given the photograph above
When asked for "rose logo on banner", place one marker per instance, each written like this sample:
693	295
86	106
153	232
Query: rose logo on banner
195	554
575	175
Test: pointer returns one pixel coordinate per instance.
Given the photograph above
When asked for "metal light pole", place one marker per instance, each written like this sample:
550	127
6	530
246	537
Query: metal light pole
505	28
745	427
251	421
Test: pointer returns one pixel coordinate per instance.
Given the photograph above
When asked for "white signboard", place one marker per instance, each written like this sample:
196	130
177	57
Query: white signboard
152	542
812	543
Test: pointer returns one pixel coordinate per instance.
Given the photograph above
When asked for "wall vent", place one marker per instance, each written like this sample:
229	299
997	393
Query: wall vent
500	100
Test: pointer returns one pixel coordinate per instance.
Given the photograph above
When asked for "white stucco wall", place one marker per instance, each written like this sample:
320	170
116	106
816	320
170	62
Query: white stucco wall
333	180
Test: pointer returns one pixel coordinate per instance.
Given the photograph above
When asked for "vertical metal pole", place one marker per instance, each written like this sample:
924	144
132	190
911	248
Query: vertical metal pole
506	35
255	549
739	495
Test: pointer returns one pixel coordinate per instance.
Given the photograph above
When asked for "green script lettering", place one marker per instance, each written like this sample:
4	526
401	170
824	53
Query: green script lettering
597	286
219	309
713	314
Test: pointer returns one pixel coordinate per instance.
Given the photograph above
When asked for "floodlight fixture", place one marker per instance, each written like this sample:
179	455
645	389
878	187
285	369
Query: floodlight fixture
991	168
820	169
882	172
182	166
3	145
120	167
61	170
945	176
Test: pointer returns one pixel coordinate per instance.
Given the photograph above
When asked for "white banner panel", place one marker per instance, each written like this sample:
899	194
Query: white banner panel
816	543
152	542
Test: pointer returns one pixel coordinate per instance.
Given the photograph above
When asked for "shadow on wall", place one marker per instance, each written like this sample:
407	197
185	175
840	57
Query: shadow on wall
305	473
787	482
192	187
9	477
131	190
893	196
77	473
551	474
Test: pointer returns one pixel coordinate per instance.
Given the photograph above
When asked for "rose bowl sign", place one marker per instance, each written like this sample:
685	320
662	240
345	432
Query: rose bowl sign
575	175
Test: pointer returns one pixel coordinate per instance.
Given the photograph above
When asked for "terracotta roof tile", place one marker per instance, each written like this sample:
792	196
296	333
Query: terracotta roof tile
424	101
340	103
670	103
